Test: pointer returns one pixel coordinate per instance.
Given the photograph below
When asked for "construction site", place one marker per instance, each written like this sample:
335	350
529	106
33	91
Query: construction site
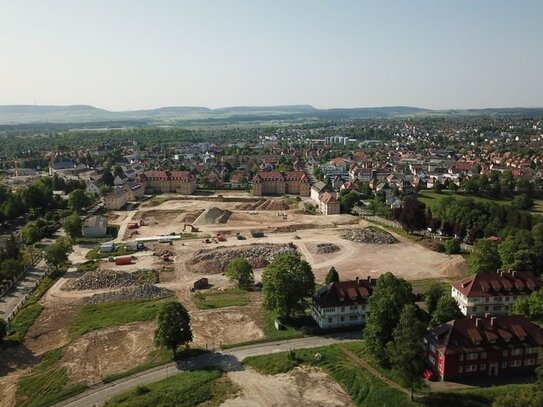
186	247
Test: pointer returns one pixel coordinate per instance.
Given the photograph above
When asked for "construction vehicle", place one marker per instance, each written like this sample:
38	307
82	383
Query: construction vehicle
192	227
220	238
239	236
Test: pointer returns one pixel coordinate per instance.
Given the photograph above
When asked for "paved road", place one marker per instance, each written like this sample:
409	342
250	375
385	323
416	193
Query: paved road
228	360
24	286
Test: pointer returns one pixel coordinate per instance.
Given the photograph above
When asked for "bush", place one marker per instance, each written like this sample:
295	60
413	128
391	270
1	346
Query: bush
452	246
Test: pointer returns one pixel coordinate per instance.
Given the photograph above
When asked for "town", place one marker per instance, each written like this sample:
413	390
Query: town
405	252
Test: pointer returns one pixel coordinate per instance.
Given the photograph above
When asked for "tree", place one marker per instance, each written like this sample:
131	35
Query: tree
531	396
78	200
30	233
389	297
530	306
3	329
347	200
240	271
406	351
446	309
412	215
484	257
433	293
73	225
173	327
332	276
107	177
287	284
452	246
56	254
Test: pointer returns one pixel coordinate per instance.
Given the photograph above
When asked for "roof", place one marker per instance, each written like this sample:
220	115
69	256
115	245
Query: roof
500	283
115	193
465	335
344	293
97	221
327	198
167	175
281	176
320	186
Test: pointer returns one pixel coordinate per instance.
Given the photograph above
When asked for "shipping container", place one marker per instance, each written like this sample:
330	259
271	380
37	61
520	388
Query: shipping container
121	261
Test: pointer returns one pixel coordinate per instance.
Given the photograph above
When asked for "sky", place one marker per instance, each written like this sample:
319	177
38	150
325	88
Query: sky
135	54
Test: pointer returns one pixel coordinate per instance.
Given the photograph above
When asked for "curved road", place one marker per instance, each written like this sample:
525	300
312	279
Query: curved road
228	360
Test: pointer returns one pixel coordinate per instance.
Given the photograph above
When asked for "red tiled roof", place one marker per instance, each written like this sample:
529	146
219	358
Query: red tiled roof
499	283
344	293
327	197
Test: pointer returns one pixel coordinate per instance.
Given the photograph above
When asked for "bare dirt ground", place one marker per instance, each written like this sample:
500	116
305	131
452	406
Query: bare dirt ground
14	362
301	387
100	353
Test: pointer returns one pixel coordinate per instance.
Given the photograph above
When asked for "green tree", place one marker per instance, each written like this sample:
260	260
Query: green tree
432	295
406	351
3	329
530	306
73	225
56	254
412	214
452	246
78	200
241	272
347	200
332	276
389	297
173	327
31	233
484	257
107	177
446	309
287	284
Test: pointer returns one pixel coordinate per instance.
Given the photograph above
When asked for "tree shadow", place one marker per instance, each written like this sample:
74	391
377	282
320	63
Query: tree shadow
226	363
14	356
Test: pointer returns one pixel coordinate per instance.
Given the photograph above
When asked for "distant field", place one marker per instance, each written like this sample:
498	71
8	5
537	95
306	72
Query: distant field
430	198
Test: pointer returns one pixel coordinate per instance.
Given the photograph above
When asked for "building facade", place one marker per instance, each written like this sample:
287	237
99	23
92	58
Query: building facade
342	304
491	292
158	181
94	226
281	183
483	347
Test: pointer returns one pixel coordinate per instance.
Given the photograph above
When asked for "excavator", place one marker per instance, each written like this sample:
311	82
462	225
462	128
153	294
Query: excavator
192	227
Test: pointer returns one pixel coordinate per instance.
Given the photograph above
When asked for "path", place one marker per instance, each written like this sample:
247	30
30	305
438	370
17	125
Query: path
228	360
10	301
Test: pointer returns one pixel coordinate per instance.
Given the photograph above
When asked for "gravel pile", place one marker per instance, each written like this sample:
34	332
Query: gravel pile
212	216
258	255
325	248
142	292
368	235
99	279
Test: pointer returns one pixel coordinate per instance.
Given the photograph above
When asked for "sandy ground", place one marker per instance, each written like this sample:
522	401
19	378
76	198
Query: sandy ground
100	353
301	387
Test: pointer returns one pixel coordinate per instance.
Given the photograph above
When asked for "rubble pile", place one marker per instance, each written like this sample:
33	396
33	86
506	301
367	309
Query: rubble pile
100	279
325	248
368	235
142	292
258	255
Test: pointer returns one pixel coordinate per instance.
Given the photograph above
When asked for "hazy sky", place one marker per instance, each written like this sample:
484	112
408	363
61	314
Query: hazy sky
130	54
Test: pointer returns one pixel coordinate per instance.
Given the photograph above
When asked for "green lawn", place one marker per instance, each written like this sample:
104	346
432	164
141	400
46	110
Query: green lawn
182	390
24	319
95	254
431	197
99	316
221	299
45	384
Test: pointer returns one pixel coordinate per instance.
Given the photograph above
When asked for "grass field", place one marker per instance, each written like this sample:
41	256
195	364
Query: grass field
182	390
95	254
430	198
46	384
99	316
24	319
221	299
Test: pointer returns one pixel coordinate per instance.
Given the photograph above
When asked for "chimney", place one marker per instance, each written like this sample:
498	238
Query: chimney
357	280
369	279
513	273
477	322
472	316
487	314
492	321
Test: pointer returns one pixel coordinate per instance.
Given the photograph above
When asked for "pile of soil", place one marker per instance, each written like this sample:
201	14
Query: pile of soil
265	205
368	235
216	260
144	292
212	216
325	248
100	279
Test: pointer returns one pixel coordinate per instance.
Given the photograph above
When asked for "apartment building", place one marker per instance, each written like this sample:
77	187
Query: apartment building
493	292
281	183
343	303
158	181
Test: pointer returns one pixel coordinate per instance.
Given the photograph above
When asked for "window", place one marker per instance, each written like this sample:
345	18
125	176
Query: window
461	358
504	365
353	308
516	352
486	299
432	347
432	360
330	320
531	350
353	317
342	319
529	362
497	307
506	299
515	363
342	309
471	368
471	356
460	369
482	367
483	355
486	307
505	353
